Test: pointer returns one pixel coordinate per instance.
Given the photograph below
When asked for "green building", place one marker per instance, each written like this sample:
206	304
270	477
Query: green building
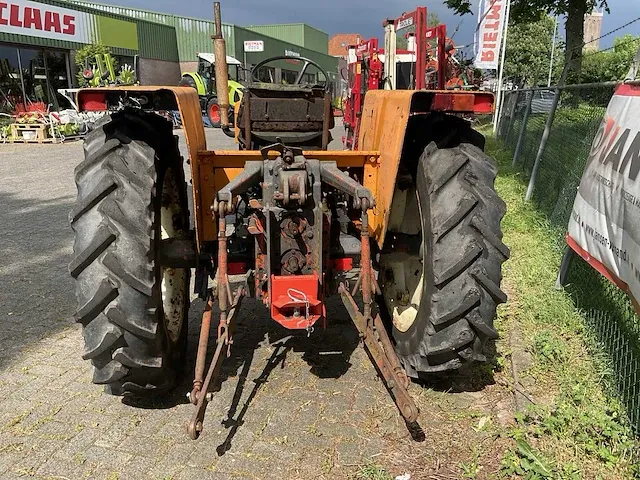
193	36
38	41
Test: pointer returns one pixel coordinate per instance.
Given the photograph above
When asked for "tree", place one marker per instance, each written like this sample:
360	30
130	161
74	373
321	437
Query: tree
529	51
610	65
523	11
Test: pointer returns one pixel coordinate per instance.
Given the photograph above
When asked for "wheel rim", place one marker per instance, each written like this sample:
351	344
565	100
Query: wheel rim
173	283
403	282
214	113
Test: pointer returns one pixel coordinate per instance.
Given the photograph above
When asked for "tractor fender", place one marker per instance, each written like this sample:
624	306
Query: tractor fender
383	128
235	88
201	87
183	99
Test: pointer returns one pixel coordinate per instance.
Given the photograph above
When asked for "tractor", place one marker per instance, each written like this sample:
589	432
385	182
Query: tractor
428	62
405	230
204	81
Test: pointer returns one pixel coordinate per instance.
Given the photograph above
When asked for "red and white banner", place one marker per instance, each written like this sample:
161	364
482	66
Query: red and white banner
491	14
23	17
605	223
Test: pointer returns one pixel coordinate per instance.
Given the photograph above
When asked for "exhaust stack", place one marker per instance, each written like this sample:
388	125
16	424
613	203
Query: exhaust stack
222	75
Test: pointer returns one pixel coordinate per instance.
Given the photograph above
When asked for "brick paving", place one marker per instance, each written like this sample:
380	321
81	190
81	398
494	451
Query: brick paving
289	406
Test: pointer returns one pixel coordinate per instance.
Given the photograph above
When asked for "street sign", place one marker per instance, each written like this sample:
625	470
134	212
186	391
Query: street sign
254	46
407	22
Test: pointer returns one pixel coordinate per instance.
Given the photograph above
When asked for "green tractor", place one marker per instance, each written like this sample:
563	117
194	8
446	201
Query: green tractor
204	81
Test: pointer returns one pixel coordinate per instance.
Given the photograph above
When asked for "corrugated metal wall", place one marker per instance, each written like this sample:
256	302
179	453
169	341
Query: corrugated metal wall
193	34
155	41
316	40
299	34
274	47
290	32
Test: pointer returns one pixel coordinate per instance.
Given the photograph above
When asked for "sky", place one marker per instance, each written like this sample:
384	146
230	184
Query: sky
356	16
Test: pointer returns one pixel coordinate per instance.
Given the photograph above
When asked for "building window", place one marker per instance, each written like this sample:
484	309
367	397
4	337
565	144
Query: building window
10	79
289	76
266	74
31	76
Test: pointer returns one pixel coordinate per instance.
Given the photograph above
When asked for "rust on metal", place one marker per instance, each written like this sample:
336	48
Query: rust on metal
326	125
224	340
385	115
385	361
247	120
236	159
365	261
222	74
203	343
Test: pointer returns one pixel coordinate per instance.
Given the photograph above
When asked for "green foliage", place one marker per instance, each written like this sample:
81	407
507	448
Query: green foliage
67	130
530	10
610	65
373	472
529	48
126	76
548	347
600	431
524	11
5	131
577	429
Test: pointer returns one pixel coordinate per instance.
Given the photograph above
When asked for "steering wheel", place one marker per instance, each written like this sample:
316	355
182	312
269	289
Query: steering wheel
307	62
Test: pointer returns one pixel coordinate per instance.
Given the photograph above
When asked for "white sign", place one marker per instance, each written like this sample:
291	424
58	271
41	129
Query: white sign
35	19
254	46
407	22
489	34
291	53
605	222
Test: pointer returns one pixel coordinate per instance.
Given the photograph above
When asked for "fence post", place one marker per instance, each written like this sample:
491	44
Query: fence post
567	260
523	129
500	117
543	144
512	114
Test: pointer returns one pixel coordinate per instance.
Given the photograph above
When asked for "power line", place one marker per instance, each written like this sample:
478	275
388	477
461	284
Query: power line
631	40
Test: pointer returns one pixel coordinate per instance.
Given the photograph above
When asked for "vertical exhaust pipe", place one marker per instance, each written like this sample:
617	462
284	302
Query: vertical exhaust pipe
222	75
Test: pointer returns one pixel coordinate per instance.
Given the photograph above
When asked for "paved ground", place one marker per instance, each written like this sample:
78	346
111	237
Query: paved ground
290	406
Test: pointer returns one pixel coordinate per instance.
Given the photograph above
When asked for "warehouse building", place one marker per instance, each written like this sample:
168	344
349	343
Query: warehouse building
194	36
38	41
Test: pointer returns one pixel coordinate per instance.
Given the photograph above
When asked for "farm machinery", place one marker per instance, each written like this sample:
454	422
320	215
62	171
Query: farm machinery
428	62
204	81
406	230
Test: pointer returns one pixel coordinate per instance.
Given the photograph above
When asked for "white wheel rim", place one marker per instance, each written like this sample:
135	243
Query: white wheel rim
403	291
173	280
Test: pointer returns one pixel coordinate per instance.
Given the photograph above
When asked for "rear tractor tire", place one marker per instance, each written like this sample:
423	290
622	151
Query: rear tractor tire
442	297
131	195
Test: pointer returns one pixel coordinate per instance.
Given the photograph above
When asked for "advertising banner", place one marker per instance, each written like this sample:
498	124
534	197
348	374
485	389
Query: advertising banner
491	15
22	17
605	223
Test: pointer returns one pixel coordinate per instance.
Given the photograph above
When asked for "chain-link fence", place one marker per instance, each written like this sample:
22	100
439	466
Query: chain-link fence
552	153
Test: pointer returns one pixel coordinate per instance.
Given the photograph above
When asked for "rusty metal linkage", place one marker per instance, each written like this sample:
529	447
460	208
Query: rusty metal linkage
373	333
200	395
224	340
